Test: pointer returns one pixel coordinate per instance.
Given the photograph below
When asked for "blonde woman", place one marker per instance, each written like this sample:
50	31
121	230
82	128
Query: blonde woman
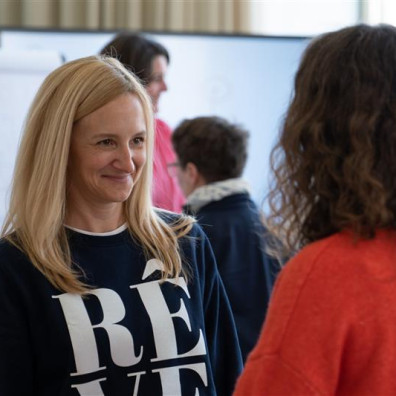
99	293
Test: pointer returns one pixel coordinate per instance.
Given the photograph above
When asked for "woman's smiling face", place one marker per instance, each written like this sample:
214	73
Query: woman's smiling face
107	153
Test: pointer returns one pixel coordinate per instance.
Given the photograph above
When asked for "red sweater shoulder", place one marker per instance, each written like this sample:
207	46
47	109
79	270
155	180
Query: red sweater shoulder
331	316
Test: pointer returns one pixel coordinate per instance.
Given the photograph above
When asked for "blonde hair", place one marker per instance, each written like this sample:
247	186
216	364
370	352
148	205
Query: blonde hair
34	222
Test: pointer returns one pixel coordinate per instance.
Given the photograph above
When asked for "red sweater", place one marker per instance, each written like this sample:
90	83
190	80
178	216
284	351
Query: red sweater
166	191
331	325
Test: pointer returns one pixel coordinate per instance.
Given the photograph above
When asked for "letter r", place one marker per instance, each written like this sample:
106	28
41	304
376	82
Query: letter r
82	334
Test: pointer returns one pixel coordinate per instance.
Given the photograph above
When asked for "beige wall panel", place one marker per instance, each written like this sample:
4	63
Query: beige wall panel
188	16
226	16
72	14
243	16
10	12
92	15
107	14
120	15
206	17
134	14
157	15
175	15
38	13
154	15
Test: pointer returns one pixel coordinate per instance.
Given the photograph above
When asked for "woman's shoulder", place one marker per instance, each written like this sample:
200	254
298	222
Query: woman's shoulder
11	257
9	251
345	247
162	126
174	219
319	249
336	262
321	256
168	216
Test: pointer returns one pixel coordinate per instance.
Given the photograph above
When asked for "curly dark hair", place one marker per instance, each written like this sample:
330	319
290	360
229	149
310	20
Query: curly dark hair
335	162
136	52
215	146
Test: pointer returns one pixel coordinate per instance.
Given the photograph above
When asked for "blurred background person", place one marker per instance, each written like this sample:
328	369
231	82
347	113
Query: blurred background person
101	293
331	325
211	155
149	60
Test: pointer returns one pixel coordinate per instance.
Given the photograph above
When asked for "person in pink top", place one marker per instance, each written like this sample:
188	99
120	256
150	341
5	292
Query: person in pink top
149	60
331	323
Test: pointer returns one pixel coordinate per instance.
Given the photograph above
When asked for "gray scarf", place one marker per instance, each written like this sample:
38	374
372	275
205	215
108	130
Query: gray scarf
216	191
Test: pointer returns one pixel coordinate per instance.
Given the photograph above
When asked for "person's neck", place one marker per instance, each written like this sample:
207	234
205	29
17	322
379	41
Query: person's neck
97	219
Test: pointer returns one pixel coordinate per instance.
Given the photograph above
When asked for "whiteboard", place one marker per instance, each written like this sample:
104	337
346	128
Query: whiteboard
246	79
21	73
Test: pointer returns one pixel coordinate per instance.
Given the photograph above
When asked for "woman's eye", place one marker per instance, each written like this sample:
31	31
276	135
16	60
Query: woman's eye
106	142
157	79
138	141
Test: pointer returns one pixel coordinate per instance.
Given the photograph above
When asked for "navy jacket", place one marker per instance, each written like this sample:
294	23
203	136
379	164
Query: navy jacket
237	236
131	335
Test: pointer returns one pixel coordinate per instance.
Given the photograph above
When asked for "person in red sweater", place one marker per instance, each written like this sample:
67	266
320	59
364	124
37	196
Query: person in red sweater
149	60
331	325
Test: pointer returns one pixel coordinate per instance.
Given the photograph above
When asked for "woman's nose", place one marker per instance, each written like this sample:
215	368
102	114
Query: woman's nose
124	160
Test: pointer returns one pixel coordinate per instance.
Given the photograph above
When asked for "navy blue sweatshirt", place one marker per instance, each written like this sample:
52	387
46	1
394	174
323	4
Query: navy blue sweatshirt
131	335
237	235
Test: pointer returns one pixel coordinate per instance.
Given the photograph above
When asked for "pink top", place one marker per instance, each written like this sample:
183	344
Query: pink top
166	191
